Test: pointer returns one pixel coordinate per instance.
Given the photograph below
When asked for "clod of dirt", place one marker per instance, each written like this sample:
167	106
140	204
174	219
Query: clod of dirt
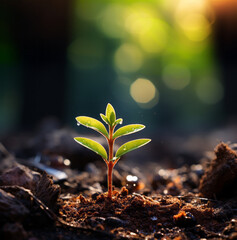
41	185
21	176
220	177
46	191
11	209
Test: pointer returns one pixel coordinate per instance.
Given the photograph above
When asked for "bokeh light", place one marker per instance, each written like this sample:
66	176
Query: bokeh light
143	91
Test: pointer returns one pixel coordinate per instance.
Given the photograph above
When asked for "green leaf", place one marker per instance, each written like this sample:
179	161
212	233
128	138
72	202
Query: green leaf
112	118
118	121
93	123
132	145
110	114
104	118
92	145
128	129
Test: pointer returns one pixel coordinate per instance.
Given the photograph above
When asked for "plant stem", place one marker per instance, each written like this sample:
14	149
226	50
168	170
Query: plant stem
110	164
110	171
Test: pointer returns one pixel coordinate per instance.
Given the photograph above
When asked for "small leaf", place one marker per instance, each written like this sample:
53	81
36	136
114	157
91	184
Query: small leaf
110	114
104	118
128	129
132	145
112	118
93	123
92	145
118	121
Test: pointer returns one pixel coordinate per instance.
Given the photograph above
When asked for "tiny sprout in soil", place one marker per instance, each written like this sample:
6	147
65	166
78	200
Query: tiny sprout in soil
110	119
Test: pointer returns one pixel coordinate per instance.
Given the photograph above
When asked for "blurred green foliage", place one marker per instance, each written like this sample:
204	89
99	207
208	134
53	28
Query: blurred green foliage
151	59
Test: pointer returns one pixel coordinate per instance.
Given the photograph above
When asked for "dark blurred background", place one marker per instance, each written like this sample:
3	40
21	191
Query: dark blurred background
164	63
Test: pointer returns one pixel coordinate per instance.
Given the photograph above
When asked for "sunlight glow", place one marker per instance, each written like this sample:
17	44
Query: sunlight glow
195	26
190	17
186	6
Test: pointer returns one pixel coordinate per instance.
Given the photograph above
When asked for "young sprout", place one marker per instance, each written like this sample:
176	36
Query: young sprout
110	119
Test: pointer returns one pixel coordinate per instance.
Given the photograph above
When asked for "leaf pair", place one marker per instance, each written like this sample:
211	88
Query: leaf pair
110	119
99	149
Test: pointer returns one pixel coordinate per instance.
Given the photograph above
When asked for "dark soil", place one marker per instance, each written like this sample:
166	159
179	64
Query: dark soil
138	216
195	201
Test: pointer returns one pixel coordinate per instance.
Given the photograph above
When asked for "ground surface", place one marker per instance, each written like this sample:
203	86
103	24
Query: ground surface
174	201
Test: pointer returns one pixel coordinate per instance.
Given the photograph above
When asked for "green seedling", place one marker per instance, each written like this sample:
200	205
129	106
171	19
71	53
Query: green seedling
110	119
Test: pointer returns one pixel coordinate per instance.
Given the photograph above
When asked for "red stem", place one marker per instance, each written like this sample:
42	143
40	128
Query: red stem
110	172
110	164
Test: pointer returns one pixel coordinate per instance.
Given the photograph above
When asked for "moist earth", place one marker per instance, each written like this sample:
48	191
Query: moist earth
189	201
